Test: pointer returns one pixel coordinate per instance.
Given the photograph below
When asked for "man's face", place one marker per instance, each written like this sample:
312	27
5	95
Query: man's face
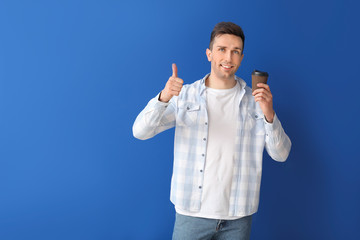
225	56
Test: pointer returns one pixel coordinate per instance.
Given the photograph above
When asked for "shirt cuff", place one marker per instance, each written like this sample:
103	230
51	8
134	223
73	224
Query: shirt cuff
160	102
155	103
270	127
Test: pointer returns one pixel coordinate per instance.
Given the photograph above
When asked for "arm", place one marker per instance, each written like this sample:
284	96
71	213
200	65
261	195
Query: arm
156	117
277	143
160	113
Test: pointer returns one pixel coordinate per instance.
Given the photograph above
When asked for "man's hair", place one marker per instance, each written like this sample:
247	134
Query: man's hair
226	28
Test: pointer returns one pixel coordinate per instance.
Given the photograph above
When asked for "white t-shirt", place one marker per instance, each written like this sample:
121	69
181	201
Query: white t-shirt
223	111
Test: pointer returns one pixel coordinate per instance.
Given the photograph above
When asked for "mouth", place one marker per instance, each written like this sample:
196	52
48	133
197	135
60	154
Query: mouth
226	66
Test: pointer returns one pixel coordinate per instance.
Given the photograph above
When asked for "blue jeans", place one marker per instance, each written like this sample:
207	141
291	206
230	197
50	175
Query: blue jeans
194	228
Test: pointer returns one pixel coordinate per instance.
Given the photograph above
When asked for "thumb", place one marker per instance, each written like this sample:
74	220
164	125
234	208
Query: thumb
174	69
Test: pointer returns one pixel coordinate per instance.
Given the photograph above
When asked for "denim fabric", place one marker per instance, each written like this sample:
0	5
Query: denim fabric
194	228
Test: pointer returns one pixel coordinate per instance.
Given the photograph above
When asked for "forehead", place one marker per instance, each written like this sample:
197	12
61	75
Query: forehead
228	40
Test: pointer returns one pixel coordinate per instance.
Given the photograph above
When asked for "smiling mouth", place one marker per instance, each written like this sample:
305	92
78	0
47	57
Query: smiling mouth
226	66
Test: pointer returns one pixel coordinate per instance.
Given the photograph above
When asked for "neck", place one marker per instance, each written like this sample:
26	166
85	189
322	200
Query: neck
220	83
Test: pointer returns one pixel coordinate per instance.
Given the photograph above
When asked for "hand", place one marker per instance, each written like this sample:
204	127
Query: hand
172	87
265	99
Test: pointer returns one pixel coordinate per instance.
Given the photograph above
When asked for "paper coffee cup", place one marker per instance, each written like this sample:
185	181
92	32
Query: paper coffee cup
258	77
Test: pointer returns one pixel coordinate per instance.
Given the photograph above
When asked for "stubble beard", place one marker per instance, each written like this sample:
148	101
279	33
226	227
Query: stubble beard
223	76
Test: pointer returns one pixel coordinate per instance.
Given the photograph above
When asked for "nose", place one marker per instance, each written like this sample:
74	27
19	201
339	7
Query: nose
228	56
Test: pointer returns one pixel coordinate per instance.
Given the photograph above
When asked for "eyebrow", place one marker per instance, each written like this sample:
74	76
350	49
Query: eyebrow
225	47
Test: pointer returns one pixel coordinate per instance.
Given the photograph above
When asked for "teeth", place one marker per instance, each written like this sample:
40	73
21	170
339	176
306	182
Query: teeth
226	66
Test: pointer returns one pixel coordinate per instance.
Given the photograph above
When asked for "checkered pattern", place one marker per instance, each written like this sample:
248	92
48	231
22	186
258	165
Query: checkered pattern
188	114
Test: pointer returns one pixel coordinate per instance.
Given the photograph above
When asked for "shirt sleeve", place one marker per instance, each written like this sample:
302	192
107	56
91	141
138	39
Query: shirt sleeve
277	143
156	117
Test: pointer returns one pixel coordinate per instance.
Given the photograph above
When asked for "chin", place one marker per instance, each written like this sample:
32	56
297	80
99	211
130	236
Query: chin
224	76
228	76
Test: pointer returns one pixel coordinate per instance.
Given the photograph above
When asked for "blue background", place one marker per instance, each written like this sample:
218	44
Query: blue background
75	74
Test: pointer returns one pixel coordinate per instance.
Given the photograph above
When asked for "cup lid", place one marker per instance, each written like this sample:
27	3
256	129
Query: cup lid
259	73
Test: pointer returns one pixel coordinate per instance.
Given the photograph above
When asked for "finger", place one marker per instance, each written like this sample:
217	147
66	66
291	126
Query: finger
263	96
261	90
263	85
175	88
177	84
260	99
176	81
174	69
179	80
257	91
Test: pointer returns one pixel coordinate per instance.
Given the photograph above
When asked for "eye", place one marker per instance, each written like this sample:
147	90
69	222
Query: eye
221	49
236	52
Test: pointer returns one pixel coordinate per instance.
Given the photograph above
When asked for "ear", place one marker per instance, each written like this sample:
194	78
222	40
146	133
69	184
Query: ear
208	54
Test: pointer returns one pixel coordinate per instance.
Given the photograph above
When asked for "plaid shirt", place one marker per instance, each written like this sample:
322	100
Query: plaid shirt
188	114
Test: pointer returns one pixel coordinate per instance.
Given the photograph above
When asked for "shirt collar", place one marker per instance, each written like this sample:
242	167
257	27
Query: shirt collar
242	83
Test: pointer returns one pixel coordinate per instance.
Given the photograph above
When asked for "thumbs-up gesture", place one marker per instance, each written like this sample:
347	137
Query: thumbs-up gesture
172	87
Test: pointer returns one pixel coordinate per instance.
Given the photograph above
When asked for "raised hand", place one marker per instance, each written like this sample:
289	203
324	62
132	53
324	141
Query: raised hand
172	87
265	99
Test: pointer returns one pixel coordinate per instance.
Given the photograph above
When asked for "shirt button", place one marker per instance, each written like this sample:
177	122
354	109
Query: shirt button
206	123
201	170
256	116
199	187
204	139
188	108
203	155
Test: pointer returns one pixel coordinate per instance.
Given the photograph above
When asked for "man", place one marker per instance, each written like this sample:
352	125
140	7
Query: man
221	131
